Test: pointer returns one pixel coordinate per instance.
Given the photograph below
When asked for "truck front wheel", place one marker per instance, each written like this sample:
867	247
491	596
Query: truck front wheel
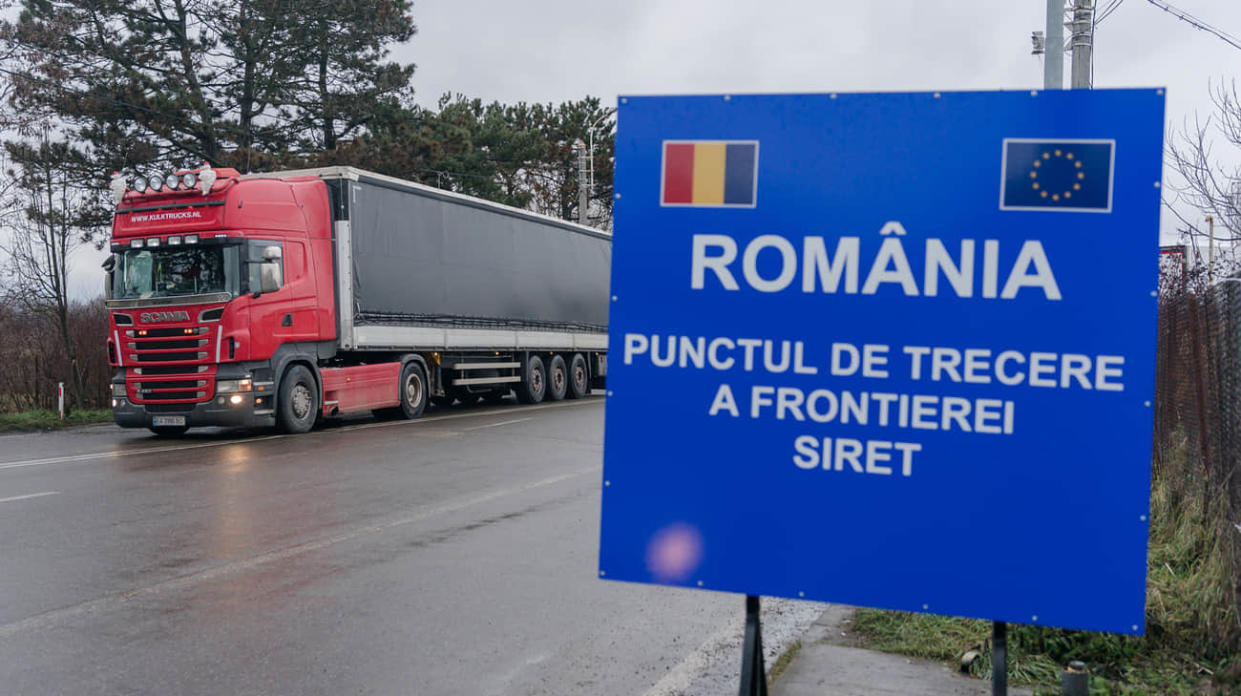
299	401
413	390
533	384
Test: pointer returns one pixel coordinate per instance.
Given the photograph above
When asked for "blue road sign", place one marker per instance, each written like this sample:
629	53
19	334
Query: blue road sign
890	350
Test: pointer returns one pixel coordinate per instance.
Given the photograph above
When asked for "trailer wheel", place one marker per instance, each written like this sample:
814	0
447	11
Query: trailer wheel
533	384
298	403
579	378
413	390
557	379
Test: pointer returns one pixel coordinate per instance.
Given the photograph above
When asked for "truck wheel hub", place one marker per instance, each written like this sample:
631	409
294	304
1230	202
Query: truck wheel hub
300	400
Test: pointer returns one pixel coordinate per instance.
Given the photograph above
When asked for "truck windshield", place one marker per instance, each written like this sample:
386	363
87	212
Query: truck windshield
175	271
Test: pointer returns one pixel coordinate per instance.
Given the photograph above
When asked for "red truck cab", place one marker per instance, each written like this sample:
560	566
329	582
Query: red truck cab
215	285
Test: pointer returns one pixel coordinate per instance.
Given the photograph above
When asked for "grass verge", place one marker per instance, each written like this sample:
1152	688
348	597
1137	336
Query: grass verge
1193	638
782	663
42	419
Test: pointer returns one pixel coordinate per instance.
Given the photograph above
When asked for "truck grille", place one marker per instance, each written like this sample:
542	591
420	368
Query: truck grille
170	365
168	357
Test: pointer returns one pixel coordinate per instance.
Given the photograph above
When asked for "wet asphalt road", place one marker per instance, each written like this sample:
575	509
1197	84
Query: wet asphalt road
455	554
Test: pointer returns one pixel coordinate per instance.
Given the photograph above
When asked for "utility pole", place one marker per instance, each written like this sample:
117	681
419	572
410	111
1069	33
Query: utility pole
1053	46
1083	38
583	190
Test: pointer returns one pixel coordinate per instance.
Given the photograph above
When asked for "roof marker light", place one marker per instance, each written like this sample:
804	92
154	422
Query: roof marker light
174	240
191	239
135	243
153	242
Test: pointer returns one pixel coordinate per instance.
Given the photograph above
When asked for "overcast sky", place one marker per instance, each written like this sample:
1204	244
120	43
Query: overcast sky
556	50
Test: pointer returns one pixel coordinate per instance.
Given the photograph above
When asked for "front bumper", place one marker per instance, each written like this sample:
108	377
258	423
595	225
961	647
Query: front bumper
211	413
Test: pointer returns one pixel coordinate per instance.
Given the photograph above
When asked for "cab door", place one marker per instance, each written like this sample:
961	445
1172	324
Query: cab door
288	315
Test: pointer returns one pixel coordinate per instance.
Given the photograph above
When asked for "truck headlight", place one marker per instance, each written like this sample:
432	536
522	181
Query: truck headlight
118	390
229	386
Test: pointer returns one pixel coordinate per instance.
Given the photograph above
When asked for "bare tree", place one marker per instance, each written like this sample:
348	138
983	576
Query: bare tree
1209	185
52	223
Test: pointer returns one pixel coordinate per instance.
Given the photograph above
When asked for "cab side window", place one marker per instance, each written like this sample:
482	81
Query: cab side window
254	263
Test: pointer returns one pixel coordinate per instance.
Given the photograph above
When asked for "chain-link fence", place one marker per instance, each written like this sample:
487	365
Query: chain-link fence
1196	494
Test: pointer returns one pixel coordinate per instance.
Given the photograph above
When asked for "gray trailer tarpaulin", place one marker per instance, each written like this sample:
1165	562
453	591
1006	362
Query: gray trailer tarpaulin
422	257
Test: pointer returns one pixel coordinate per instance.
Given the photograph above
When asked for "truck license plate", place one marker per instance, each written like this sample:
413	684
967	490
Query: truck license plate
168	420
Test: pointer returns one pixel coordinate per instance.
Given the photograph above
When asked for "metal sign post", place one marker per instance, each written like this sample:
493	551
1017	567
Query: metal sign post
753	671
999	658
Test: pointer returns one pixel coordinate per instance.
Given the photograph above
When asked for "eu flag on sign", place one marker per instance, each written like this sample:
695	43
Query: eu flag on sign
1070	175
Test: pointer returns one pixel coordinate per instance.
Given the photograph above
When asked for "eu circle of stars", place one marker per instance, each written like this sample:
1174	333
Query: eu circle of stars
1058	175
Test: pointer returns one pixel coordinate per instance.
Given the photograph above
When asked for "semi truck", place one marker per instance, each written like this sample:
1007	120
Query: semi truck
284	298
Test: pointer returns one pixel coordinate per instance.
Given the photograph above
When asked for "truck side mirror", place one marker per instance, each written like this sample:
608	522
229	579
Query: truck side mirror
271	276
108	265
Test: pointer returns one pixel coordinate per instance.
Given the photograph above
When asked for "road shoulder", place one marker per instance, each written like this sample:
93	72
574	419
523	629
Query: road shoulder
829	663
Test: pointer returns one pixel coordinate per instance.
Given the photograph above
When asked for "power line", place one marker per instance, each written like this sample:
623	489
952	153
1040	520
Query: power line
1197	23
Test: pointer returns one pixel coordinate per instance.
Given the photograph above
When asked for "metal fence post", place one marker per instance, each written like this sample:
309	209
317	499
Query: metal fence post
1075	681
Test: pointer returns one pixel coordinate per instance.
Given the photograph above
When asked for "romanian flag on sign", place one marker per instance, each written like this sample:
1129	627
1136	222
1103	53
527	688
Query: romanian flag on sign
710	173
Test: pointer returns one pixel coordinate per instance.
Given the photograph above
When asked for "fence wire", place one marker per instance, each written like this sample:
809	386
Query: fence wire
1198	430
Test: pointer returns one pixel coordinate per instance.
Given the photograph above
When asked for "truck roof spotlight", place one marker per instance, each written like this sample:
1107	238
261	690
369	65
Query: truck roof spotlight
140	184
171	181
118	186
153	184
189	179
207	178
